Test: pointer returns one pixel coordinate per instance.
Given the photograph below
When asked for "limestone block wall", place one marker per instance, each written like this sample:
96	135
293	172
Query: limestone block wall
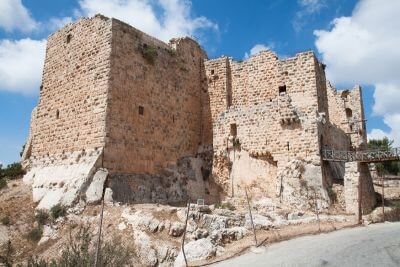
26	154
73	97
272	106
347	113
353	172
155	105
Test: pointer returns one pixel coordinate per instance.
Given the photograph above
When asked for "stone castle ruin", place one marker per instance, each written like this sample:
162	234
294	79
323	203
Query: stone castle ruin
131	117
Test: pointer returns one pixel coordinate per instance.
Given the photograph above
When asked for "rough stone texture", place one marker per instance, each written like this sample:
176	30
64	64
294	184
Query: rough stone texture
95	191
354	171
108	196
4	236
48	233
172	124
196	250
62	183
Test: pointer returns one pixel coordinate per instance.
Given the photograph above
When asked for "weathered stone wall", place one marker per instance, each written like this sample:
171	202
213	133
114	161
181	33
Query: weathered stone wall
68	133
346	112
355	172
73	97
274	106
155	108
115	97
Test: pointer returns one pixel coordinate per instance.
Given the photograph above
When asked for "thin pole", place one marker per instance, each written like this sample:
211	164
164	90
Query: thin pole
383	198
316	211
184	233
359	200
99	236
251	217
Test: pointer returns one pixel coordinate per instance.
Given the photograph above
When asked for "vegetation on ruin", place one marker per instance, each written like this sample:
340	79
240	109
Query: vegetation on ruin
332	194
11	172
81	251
58	211
149	53
35	234
6	255
226	205
6	220
388	167
41	217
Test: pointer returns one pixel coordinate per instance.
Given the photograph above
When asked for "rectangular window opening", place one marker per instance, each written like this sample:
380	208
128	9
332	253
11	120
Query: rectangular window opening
233	129
282	89
141	110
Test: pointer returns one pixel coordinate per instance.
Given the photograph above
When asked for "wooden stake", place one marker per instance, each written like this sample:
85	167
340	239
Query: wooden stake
251	217
99	236
184	233
316	210
383	198
359	200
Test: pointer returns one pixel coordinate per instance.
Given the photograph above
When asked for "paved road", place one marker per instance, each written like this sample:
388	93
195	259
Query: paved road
373	245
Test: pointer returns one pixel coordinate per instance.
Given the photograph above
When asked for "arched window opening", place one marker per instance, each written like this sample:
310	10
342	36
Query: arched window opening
349	113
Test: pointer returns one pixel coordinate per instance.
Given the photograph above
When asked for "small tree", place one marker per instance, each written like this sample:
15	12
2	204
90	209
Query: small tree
388	167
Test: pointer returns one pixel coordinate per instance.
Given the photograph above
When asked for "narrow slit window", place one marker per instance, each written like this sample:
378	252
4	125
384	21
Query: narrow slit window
57	114
141	110
229	100
212	72
69	37
282	89
233	129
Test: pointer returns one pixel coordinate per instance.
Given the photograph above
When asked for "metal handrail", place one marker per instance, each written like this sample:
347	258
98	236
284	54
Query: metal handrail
362	155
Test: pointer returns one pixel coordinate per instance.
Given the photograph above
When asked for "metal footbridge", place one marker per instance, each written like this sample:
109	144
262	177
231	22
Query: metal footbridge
367	156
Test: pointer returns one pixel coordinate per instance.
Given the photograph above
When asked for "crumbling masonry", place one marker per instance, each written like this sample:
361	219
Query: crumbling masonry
167	123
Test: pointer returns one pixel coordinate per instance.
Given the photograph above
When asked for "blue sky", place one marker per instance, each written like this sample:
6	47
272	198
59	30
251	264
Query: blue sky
358	40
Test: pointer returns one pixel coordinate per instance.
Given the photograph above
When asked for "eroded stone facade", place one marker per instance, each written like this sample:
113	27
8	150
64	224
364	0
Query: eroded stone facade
170	124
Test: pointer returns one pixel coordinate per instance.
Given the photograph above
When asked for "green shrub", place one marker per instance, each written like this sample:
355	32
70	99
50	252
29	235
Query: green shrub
226	205
35	234
41	217
6	255
332	194
81	251
149	53
58	211
3	183
6	220
12	171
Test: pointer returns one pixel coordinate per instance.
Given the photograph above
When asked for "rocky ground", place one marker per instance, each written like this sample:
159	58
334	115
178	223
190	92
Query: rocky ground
154	232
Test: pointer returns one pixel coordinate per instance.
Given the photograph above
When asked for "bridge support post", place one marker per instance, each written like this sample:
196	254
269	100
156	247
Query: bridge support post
358	189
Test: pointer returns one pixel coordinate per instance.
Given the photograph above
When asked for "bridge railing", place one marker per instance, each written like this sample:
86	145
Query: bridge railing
363	156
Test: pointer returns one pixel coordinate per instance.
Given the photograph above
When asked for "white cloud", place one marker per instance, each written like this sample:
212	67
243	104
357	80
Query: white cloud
377	134
308	7
57	23
163	19
257	49
21	65
364	48
14	16
312	6
21	61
